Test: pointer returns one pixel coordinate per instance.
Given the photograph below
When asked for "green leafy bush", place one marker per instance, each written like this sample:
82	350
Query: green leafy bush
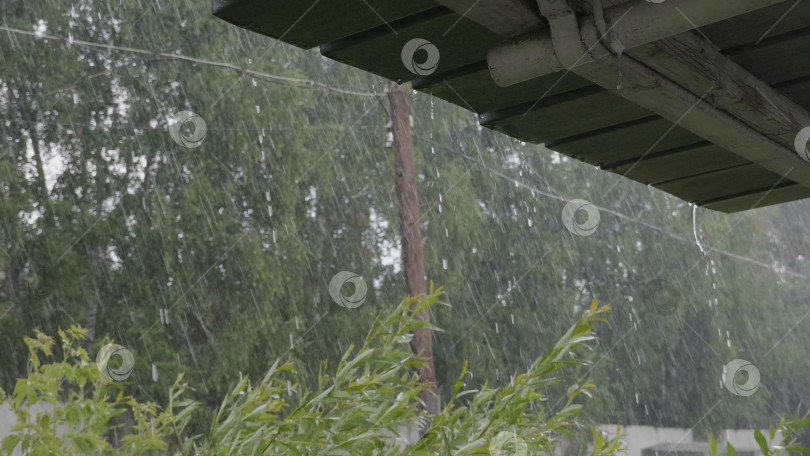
360	408
86	407
781	439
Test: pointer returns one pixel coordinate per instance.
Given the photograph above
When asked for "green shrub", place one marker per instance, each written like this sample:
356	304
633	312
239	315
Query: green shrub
87	407
369	397
781	440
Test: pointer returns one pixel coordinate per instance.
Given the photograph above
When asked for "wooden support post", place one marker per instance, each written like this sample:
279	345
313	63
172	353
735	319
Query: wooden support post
412	256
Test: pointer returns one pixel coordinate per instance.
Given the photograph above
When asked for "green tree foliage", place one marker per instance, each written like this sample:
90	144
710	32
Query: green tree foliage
86	406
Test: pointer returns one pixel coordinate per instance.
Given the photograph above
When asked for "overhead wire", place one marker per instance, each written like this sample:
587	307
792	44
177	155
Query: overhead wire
299	82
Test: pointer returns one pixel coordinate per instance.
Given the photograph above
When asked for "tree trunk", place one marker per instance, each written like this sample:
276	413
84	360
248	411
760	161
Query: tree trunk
42	186
412	257
90	320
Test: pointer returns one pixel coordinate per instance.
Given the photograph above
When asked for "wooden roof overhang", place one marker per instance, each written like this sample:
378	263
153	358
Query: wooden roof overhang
704	99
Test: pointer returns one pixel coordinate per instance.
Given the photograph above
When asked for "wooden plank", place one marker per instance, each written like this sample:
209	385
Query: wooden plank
475	89
459	42
759	198
630	142
565	115
797	90
676	163
776	60
507	18
762	24
310	23
722	183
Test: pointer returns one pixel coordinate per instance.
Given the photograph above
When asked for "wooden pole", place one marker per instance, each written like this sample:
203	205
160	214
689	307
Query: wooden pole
412	256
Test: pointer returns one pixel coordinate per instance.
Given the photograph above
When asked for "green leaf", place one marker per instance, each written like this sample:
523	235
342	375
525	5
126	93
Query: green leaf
763	444
731	450
10	442
84	444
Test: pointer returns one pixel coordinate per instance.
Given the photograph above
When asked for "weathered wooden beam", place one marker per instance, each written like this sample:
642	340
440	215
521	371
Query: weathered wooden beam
698	66
632	24
508	18
637	82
